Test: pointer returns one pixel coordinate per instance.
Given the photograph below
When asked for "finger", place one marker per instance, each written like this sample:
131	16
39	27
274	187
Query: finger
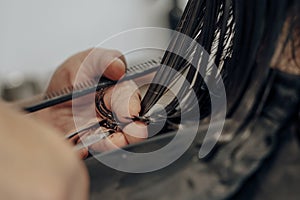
74	140
86	66
98	62
50	115
114	141
115	70
83	153
125	101
135	132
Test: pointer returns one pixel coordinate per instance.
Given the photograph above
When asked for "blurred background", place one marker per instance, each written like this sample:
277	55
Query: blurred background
38	35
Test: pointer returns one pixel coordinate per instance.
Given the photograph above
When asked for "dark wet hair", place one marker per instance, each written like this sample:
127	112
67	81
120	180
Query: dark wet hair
240	36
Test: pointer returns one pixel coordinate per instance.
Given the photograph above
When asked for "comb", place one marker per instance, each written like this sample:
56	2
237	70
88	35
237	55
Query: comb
90	86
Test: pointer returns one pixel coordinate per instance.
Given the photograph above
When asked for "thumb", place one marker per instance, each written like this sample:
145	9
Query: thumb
115	70
98	62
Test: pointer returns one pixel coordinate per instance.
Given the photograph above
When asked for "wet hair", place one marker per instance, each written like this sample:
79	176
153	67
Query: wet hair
240	36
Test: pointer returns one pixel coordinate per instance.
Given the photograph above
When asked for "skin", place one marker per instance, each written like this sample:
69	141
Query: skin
36	162
35	144
122	99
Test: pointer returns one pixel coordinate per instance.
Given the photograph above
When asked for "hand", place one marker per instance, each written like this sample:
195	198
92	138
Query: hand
36	161
123	99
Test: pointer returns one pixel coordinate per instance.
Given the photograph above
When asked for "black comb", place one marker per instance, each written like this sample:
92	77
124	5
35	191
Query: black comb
91	86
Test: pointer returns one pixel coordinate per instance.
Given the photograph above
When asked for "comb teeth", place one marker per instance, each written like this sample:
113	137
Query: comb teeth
142	66
70	89
92	83
65	90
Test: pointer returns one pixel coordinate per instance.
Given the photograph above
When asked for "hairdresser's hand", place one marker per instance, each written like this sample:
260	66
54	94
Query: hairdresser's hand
123	99
36	162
